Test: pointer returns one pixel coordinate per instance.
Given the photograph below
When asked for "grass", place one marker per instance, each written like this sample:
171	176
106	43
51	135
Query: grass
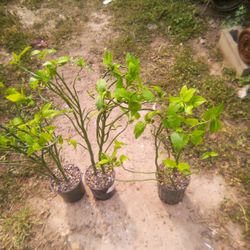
138	21
12	37
16	229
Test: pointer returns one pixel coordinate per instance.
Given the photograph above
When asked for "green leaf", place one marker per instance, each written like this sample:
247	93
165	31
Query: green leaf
17	97
173	108
134	106
16	58
158	90
73	142
191	121
2	85
35	147
60	139
215	125
139	128
148	95
101	86
208	155
175	99
198	100
33	82
187	94
44	75
16	121
179	141
189	109
121	93
81	62
35	52
213	113
99	103
197	136
119	144
3	141
169	163
133	71
103	162
47	112
63	60
172	121
46	137
108	58
149	116
183	167
123	158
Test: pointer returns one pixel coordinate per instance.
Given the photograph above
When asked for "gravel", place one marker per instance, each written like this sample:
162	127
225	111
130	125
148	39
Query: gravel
74	176
101	180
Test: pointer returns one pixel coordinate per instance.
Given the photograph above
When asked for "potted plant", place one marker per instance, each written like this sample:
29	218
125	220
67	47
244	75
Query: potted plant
33	137
119	96
180	122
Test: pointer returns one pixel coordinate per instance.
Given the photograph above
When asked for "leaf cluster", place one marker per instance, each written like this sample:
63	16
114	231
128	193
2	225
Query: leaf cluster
179	125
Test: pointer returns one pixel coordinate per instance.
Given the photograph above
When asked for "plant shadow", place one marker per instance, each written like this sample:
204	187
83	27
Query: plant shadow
96	224
186	220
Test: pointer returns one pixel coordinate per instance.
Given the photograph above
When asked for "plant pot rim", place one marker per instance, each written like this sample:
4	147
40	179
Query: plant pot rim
74	187
245	32
100	189
171	187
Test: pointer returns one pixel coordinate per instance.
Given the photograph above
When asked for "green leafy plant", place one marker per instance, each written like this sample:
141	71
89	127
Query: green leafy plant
119	95
32	135
178	124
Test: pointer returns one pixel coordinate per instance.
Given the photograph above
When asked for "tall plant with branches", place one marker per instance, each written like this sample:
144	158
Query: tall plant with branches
178	123
119	93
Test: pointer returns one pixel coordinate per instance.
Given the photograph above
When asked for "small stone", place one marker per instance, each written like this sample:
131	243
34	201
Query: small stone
242	93
202	41
107	2
152	26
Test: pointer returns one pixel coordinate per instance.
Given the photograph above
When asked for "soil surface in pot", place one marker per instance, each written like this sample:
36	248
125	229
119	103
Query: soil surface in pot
100	180
73	174
180	180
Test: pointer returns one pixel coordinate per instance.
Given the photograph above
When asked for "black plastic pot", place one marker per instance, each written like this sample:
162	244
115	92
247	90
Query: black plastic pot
227	5
73	195
169	195
105	193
